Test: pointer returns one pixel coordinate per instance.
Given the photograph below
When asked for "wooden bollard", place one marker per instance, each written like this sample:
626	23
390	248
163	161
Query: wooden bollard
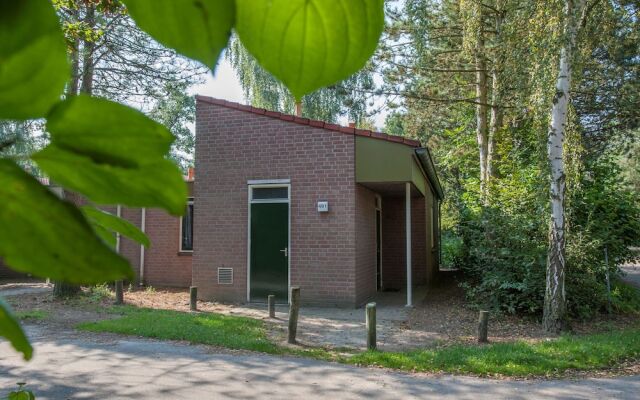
483	327
271	305
371	326
294	308
193	298
119	293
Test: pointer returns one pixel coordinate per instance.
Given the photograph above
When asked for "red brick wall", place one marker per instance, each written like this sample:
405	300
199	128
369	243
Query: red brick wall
365	244
233	147
393	242
164	265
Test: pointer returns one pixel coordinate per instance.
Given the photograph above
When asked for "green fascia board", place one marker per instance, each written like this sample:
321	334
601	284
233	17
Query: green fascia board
424	156
418	177
379	161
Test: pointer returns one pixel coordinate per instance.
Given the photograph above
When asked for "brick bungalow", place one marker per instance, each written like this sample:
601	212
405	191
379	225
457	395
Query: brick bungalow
281	201
284	201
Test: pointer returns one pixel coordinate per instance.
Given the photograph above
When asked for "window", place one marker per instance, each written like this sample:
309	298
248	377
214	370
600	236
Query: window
270	193
186	228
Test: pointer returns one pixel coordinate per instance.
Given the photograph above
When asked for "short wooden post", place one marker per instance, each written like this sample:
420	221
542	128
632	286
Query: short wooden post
119	293
294	308
271	305
193	298
483	326
371	326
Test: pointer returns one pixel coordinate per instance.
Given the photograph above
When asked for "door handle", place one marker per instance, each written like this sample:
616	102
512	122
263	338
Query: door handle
285	251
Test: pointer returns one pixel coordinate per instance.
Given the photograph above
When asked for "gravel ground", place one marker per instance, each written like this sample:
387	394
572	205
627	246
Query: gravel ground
18	288
441	317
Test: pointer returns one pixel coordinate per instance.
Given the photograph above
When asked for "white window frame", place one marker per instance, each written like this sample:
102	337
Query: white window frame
272	183
180	249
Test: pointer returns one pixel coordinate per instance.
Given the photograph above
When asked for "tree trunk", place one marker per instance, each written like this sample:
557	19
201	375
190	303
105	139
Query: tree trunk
554	315
62	289
73	87
83	76
87	53
481	115
495	123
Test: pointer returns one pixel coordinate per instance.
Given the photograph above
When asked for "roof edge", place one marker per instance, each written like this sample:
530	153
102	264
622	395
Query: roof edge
310	122
424	155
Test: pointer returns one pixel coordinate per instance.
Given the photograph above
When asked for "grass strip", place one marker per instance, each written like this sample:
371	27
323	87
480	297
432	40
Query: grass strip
546	358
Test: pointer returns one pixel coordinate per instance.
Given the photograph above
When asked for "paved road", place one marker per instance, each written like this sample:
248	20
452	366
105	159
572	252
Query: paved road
70	366
632	274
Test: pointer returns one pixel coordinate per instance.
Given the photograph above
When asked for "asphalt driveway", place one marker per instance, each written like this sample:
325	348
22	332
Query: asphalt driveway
72	365
632	274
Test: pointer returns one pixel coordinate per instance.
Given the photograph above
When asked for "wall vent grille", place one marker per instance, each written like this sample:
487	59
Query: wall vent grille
225	276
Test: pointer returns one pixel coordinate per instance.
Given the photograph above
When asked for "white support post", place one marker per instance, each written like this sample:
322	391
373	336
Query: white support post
143	222
408	241
119	215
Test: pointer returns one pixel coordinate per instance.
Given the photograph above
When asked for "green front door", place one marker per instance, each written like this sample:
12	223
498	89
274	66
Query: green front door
269	257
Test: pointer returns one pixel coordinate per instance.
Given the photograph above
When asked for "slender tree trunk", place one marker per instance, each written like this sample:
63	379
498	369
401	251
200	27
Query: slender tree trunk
496	121
81	80
495	124
87	54
554	316
74	54
481	114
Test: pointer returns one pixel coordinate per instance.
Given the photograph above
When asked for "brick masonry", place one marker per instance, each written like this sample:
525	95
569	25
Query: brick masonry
164	264
233	147
332	255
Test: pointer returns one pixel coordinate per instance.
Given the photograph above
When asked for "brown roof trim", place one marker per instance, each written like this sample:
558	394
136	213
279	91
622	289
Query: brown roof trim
310	122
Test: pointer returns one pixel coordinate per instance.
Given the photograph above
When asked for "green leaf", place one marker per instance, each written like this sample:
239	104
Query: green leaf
112	154
198	29
48	237
114	223
309	44
106	235
107	131
157	184
11	330
33	59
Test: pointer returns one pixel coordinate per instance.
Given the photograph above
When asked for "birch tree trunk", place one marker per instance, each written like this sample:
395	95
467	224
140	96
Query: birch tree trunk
495	123
496	120
554	315
481	114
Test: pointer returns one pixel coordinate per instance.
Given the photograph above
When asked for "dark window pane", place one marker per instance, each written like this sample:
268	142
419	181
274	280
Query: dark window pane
187	229
270	193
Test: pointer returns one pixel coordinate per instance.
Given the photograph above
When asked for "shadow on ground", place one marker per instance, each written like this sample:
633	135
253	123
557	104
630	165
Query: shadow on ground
70	366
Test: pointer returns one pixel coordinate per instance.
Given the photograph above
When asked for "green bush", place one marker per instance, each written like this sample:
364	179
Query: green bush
504	244
625	298
452	250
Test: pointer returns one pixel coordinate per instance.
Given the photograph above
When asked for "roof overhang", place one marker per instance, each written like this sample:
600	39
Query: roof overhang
424	156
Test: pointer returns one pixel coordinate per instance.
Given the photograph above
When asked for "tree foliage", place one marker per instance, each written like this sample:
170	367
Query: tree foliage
109	152
348	98
497	233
